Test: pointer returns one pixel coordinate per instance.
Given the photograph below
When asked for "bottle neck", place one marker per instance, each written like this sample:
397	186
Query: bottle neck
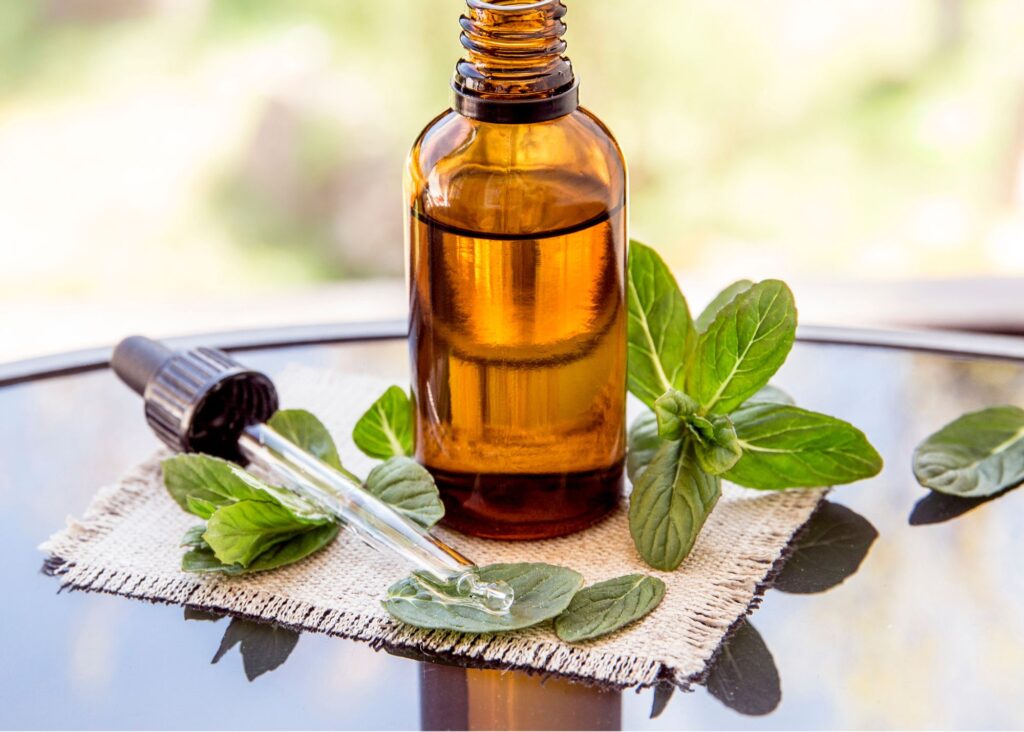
513	70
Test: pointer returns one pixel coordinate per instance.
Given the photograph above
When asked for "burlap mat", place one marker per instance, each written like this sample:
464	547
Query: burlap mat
127	544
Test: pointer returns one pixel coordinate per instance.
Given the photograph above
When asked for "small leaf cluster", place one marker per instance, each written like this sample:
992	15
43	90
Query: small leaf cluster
252	525
543	592
713	414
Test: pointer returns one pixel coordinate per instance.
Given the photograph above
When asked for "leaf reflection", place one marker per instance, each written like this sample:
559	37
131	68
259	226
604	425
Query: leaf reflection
264	646
743	676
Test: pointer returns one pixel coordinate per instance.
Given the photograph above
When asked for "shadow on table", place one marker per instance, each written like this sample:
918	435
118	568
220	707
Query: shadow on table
458	693
937	507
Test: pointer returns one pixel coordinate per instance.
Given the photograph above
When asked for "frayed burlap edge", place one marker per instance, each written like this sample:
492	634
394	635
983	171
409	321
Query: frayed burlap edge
498	651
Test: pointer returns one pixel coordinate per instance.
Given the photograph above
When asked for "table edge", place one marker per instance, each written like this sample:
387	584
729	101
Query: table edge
69	363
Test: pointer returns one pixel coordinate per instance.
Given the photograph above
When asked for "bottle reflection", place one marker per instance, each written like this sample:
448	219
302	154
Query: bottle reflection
452	697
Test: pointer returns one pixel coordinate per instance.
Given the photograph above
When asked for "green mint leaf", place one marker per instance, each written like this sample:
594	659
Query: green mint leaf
978	454
202	560
409	488
714	439
194	537
743	347
296	548
210	481
207	479
720	449
673	410
789	447
660	331
386	429
308	432
239	533
769	394
605	607
542	591
722	299
643	444
199	507
669	504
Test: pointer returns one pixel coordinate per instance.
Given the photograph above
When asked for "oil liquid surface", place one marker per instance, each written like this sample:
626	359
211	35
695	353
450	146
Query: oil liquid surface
519	357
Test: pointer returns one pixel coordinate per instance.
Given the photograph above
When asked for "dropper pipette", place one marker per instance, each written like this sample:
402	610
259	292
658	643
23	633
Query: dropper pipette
202	400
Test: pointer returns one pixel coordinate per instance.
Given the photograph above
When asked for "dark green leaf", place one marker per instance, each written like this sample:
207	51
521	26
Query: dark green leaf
239	533
386	429
769	394
789	447
542	591
660	331
605	607
828	550
670	502
408	487
978	454
743	675
194	537
202	560
643	444
264	646
308	432
722	299
743	347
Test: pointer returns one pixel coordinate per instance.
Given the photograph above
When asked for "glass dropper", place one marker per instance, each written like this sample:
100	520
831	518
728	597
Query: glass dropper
341	494
202	400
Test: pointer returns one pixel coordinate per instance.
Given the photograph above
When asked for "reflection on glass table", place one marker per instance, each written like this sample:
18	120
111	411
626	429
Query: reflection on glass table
894	607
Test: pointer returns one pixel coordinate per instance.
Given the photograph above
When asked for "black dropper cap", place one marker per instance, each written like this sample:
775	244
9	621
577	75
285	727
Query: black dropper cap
198	400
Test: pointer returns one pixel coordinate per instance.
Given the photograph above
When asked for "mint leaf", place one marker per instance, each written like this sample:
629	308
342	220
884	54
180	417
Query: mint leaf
976	455
199	507
296	548
386	429
722	299
409	488
743	347
789	447
194	537
239	533
660	331
714	439
669	504
209	480
718	449
673	410
643	444
769	394
308	432
542	591
605	607
202	560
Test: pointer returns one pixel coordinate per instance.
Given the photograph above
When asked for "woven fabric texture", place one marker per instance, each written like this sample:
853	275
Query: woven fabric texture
127	544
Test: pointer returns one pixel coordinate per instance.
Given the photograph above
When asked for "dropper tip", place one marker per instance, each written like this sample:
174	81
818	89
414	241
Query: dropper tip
497	597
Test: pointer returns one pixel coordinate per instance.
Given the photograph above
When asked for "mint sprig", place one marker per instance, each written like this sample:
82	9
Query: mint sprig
715	412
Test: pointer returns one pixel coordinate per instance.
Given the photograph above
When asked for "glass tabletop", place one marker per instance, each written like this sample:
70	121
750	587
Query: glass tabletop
897	608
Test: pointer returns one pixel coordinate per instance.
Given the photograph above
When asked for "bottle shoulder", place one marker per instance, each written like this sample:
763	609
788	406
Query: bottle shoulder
464	169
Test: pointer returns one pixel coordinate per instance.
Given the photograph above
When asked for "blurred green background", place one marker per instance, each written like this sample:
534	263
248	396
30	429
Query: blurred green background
189	165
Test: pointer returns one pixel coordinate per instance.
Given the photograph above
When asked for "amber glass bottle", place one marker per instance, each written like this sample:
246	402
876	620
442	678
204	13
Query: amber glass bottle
516	238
